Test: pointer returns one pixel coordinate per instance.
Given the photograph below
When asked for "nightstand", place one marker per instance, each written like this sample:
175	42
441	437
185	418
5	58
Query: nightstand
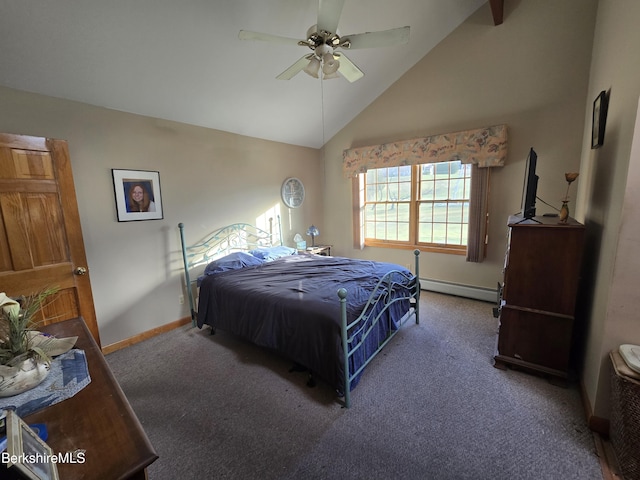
324	250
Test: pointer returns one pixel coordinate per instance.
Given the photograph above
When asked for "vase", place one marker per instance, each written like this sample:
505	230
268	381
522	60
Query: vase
564	212
22	377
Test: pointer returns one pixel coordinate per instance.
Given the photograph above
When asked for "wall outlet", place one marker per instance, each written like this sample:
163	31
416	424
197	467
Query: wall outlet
181	299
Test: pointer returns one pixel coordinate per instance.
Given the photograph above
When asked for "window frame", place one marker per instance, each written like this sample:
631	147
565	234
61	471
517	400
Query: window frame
414	203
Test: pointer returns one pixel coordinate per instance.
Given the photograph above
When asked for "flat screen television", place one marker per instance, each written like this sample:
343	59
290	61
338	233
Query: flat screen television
530	187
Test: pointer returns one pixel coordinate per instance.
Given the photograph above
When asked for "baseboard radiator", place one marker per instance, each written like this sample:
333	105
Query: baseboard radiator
467	291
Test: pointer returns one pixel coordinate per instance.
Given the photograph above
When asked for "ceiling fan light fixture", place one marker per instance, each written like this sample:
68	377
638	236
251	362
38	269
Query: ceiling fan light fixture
329	64
330	76
313	67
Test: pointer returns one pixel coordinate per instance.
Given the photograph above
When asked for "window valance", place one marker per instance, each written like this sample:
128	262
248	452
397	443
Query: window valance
484	147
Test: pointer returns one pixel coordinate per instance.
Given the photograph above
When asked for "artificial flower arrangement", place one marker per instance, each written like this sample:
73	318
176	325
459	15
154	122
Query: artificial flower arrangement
564	210
26	353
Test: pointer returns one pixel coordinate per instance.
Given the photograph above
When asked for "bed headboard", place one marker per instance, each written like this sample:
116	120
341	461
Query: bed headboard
237	237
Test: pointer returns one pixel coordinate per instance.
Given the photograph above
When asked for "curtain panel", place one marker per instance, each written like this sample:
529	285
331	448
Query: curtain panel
485	147
482	147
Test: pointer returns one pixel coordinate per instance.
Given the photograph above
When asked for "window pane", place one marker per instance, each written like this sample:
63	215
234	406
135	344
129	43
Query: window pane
392	212
440	212
404	191
439	233
403	231
442	189
454	234
371	193
425	232
457	191
454	214
457	169
392	233
369	213
426	190
426	212
403	213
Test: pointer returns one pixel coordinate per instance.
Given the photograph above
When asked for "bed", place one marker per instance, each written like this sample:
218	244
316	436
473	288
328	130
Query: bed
309	308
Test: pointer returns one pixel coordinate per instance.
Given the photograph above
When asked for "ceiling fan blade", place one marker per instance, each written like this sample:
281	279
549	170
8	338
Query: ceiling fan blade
267	37
386	38
296	68
348	69
329	12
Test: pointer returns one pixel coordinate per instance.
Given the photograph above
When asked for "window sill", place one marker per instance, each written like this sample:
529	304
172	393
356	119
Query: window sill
451	250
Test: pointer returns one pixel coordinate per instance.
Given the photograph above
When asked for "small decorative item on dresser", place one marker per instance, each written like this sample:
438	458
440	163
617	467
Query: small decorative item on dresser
564	210
25	354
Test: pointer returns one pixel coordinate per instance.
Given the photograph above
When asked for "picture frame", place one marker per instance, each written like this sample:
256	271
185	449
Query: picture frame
137	194
600	105
27	452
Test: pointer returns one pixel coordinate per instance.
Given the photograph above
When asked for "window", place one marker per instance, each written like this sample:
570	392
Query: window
424	205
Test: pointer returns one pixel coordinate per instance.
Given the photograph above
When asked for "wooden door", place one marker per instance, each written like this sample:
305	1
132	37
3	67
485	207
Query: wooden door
41	241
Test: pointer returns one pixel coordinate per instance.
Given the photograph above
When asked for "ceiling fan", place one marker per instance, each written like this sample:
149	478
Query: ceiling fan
324	40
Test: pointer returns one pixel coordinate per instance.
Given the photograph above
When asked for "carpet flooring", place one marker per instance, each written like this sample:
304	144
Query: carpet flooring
430	406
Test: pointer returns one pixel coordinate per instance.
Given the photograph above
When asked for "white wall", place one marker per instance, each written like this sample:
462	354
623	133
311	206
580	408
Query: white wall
208	178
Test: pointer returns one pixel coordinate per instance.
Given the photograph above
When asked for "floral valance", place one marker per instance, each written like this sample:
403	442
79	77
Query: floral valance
486	147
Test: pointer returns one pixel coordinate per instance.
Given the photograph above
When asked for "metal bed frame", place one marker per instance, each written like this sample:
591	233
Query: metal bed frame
237	237
393	287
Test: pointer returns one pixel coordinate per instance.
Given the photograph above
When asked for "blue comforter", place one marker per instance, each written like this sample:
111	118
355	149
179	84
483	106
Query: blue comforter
291	305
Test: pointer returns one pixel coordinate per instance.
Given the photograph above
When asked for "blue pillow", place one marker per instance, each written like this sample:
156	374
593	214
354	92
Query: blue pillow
233	261
269	254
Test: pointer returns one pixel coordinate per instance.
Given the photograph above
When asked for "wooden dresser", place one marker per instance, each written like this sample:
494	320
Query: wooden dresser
540	284
98	419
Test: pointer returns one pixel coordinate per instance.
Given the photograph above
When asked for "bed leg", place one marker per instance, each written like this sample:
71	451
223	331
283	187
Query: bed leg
213	331
342	294
311	382
416	252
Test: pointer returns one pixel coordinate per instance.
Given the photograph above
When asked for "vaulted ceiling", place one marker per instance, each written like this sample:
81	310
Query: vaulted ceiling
183	61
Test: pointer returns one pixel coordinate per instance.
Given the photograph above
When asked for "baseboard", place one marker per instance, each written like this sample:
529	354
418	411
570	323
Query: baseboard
598	425
600	429
145	335
467	291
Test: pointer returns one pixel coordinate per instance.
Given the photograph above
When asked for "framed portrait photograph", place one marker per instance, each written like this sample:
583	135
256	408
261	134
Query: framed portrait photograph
599	120
27	452
137	194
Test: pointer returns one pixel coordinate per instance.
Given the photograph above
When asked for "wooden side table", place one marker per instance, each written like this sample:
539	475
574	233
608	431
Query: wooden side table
324	250
97	419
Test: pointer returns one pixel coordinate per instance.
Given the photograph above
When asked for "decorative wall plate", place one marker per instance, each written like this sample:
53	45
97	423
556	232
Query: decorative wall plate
292	192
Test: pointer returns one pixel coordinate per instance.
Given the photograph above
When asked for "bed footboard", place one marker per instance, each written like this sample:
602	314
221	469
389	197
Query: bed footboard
393	288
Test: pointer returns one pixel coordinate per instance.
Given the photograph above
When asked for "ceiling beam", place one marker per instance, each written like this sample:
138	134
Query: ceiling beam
497	10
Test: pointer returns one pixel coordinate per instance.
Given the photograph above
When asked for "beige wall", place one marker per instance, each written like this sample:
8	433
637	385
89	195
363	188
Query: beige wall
530	73
609	197
208	178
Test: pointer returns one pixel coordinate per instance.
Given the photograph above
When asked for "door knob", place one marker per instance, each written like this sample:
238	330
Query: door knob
80	271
